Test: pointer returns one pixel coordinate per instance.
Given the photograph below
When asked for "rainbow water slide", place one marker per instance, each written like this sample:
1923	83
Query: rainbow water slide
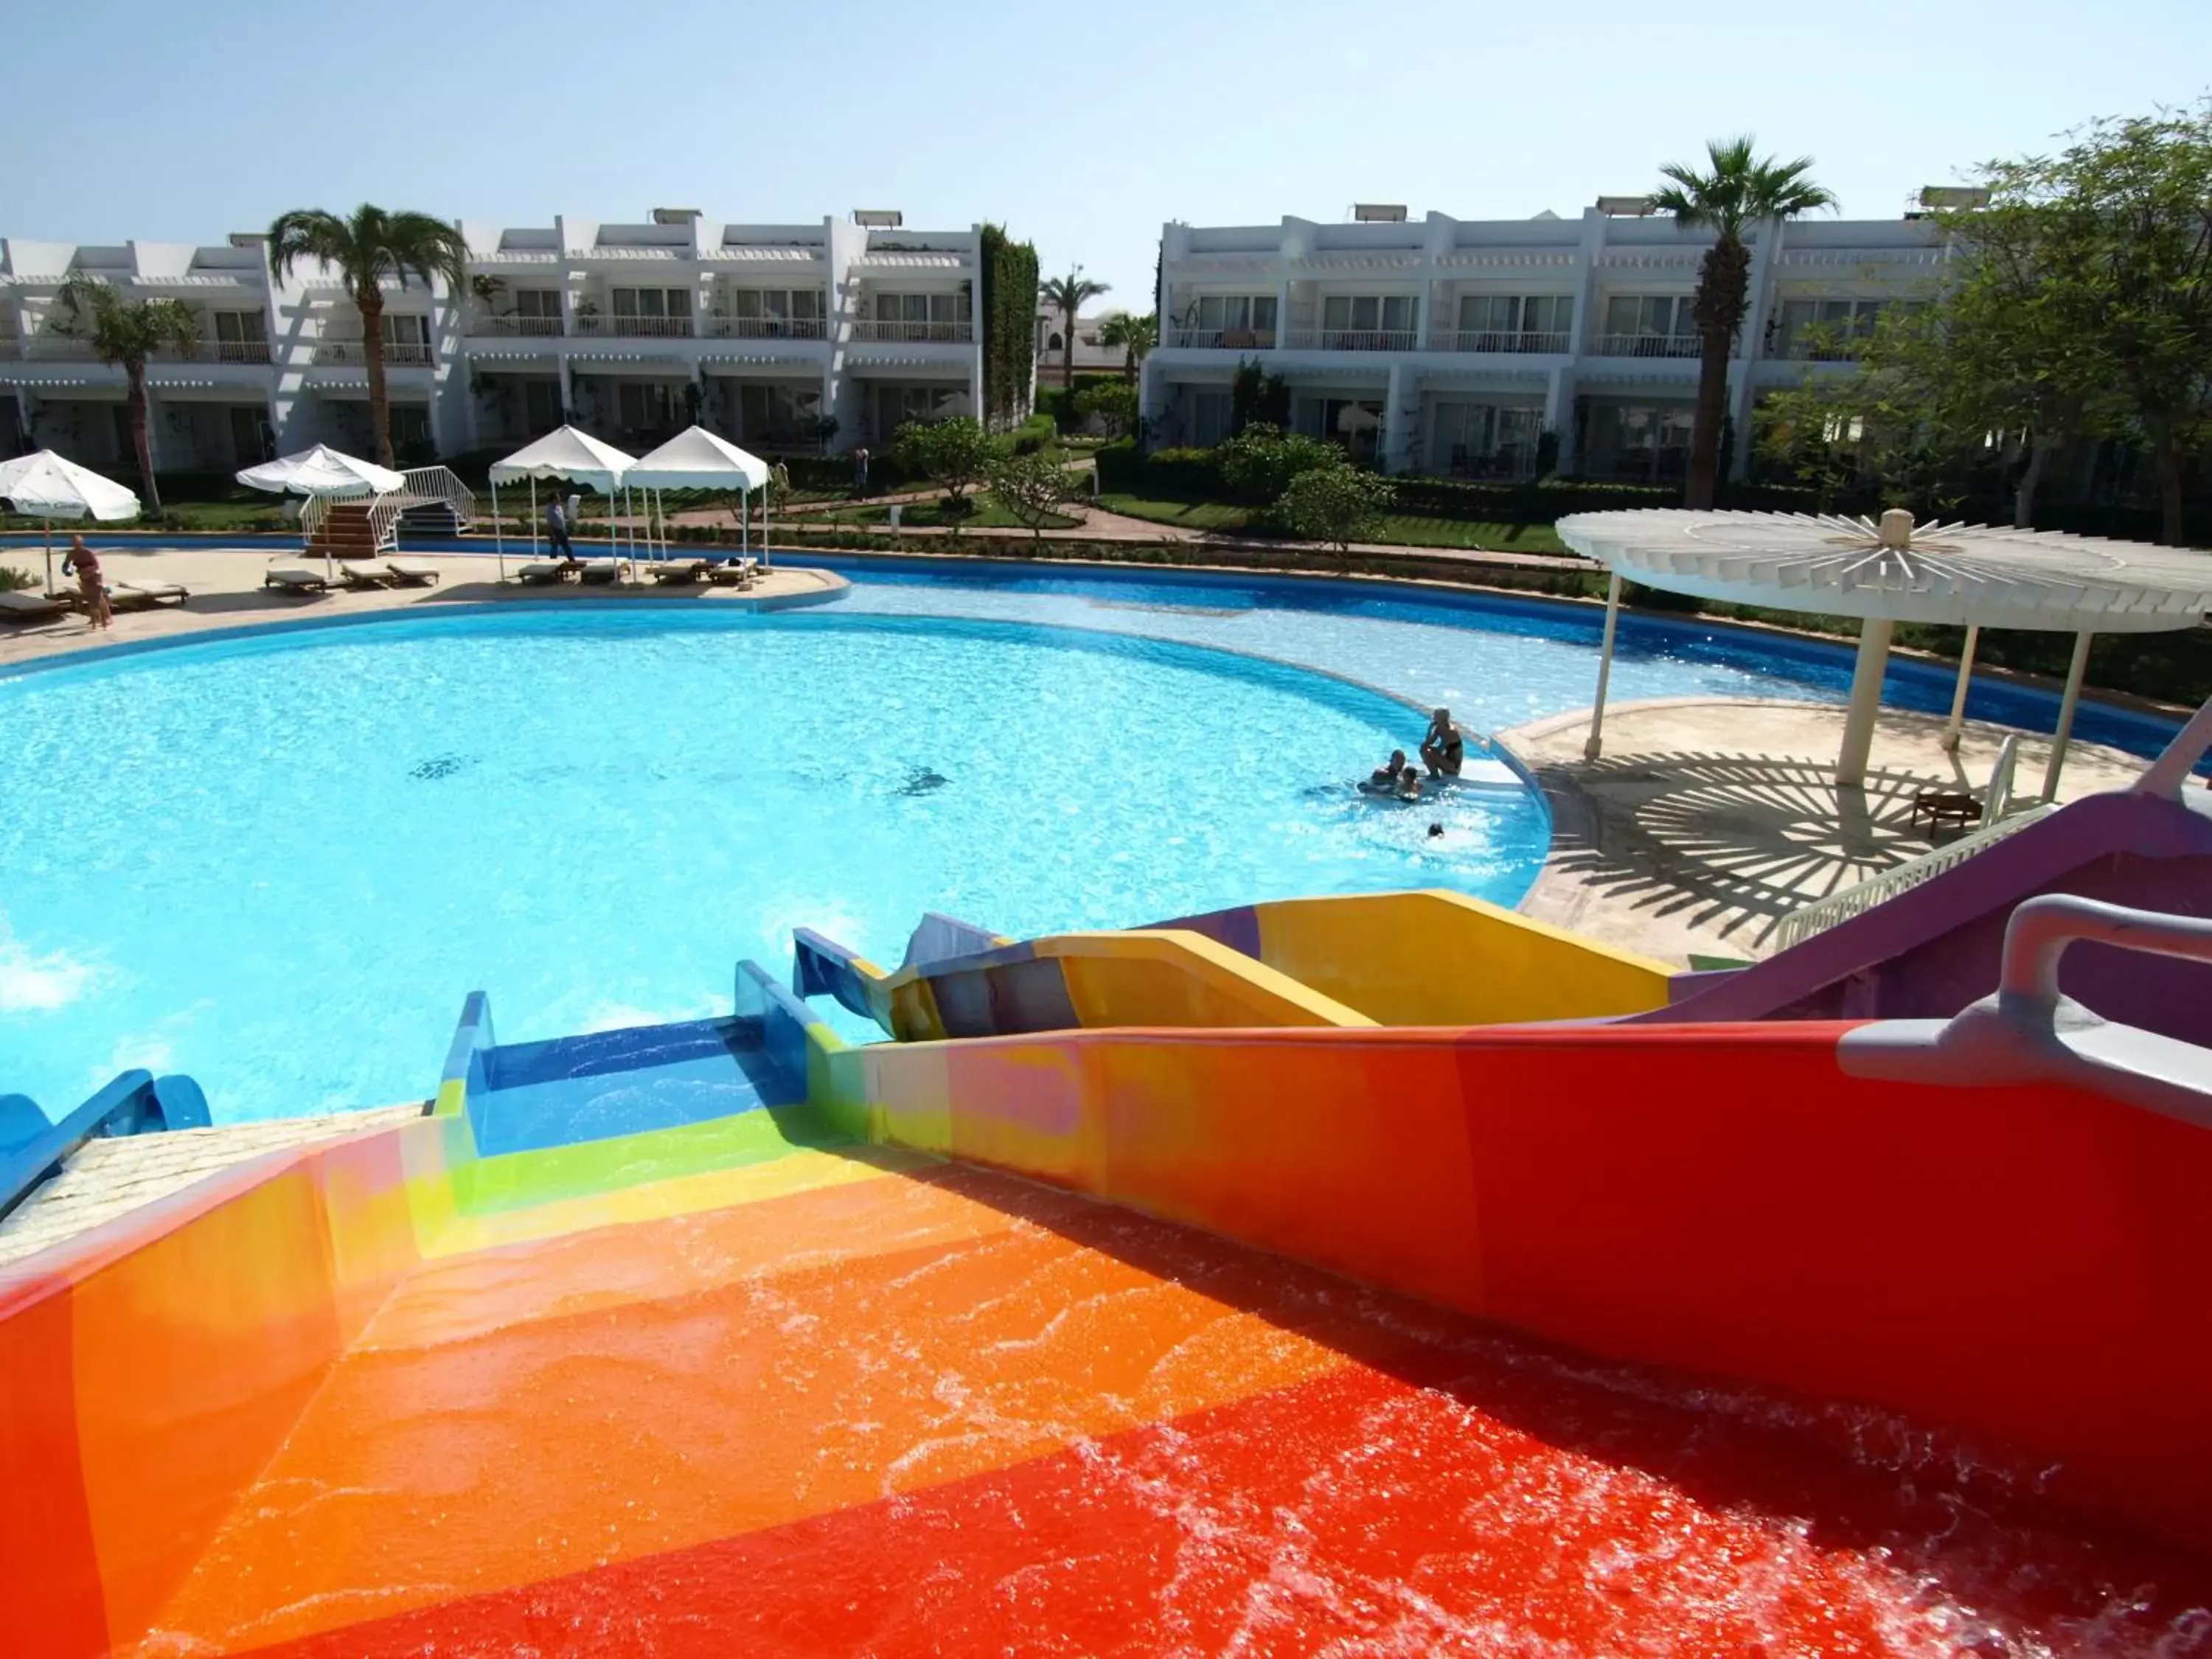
1414	958
725	1337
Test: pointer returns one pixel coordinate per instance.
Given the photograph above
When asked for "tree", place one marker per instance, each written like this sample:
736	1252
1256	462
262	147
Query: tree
1033	487
1067	295
957	453
365	249
1113	403
1337	504
129	331
1741	189
2121	223
1255	396
1135	335
1260	462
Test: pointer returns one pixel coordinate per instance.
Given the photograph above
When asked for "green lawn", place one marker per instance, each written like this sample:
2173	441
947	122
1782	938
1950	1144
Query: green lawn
1192	515
1403	529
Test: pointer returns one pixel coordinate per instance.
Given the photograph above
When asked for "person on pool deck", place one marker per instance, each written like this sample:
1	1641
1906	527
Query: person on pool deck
1387	775
557	530
85	563
1442	750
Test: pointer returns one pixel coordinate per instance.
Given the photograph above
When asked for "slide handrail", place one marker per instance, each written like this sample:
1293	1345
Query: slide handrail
135	1102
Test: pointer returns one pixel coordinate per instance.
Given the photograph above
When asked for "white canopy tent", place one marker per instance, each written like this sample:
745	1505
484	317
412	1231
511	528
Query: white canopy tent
322	471
695	458
47	486
570	457
1974	576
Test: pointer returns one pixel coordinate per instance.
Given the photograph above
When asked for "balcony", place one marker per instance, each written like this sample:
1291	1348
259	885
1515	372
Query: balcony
764	328
1355	339
512	328
1223	339
634	328
1490	339
1647	345
911	333
58	349
1805	349
407	355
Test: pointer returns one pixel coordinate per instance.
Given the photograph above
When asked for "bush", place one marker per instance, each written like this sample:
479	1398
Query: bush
1033	487
1337	503
12	579
1260	462
1032	434
955	453
1111	403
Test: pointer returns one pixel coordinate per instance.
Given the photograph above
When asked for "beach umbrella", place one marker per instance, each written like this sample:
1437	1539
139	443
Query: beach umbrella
322	471
46	486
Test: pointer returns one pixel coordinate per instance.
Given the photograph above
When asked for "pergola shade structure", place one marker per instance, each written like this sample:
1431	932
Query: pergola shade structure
566	455
697	458
1974	576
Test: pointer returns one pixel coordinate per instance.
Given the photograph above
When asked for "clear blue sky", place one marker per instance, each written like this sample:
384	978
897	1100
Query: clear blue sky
1080	128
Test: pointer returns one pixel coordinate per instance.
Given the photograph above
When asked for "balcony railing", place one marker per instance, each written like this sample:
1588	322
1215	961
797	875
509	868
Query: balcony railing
763	328
1491	339
1223	339
910	332
58	349
397	354
636	328
1648	345
1355	339
1804	350
238	351
510	328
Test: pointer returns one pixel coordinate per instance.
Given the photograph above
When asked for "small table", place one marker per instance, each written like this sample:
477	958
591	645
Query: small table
1942	807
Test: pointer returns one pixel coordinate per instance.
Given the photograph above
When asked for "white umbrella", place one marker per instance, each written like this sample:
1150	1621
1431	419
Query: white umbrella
46	486
322	471
571	456
697	458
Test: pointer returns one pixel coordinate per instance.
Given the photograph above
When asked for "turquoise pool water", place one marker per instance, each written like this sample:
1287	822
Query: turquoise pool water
279	863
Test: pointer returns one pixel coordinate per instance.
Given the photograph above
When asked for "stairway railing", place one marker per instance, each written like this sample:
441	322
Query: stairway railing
1838	908
383	519
440	484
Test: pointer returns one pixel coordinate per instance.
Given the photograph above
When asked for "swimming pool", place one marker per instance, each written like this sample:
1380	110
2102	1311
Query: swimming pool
279	860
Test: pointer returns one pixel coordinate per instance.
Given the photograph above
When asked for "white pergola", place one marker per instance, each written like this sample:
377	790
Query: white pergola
697	458
566	455
1972	576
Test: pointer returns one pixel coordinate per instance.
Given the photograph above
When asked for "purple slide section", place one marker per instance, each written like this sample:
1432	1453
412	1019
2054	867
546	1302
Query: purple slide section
1935	948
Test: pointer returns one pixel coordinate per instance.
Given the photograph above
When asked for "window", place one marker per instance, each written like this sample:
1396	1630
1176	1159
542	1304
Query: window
1209	418
411	427
240	337
1234	319
247	445
651	310
897	404
1640	440
1824	329
1483	440
1052	342
1369	322
1516	322
781	413
406	337
777	313
921	316
646	408
541	405
541	303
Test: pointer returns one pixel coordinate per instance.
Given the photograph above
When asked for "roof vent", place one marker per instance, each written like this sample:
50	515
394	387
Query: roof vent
878	218
674	215
1378	213
248	238
1954	195
1625	207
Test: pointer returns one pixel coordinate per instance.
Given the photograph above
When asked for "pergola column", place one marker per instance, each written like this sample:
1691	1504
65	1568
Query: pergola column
1596	745
1959	697
1865	701
2075	672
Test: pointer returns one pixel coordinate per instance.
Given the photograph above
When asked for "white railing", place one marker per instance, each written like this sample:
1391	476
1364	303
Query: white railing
383	518
397	353
59	349
1648	345
515	327
1223	339
242	351
1838	908
438	485
764	328
1494	339
940	333
1355	339
636	328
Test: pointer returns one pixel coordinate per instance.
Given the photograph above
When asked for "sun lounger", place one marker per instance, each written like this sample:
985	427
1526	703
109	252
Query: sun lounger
359	573
31	607
675	571
295	578
543	571
599	570
413	573
146	593
733	572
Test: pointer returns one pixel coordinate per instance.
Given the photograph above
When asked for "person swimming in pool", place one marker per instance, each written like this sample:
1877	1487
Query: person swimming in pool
1442	750
1409	784
1386	773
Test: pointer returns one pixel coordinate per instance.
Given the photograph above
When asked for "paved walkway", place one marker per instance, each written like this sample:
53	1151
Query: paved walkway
1708	821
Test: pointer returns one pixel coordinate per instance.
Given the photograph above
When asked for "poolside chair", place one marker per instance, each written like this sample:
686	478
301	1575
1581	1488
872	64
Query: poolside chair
599	570
31	607
413	573
733	572
360	573
146	593
543	572
675	571
294	577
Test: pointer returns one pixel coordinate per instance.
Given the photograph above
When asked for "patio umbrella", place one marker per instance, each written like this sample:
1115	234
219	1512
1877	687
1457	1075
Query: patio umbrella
571	456
697	459
45	486
322	471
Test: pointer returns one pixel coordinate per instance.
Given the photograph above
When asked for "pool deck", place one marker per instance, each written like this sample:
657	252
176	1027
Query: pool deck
1706	821
227	592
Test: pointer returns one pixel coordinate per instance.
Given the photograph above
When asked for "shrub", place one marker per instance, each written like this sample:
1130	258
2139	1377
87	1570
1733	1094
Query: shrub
955	453
1260	462
1111	403
1032	434
1033	487
1337	503
12	579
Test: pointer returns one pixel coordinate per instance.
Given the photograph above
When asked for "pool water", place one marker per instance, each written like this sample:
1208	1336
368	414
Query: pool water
279	862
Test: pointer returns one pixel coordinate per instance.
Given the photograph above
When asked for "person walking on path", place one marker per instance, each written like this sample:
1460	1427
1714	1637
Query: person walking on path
556	529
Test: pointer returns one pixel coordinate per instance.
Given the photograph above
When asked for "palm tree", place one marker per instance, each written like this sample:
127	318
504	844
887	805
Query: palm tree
363	249
1067	294
1135	335
129	331
1741	190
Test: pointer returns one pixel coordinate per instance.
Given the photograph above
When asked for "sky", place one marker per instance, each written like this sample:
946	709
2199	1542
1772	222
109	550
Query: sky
1078	128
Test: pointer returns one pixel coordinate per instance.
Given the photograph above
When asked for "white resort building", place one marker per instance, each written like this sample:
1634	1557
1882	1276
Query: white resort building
1452	346
766	333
